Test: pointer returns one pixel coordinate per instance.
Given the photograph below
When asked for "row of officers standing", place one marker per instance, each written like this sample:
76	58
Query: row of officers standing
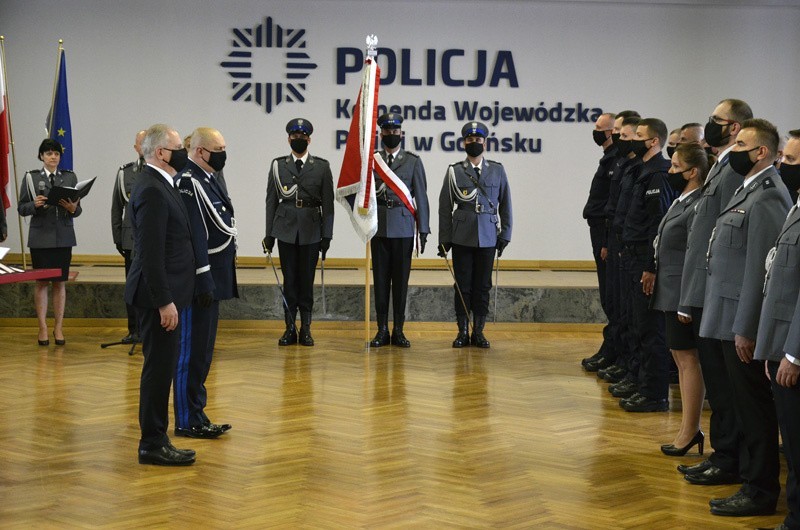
180	254
699	255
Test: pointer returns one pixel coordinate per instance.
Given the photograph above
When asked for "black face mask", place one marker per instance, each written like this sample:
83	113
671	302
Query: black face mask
670	151
474	149
216	159
299	145
391	140
740	161
178	158
599	137
639	147
676	181
790	174
624	147
615	138
714	133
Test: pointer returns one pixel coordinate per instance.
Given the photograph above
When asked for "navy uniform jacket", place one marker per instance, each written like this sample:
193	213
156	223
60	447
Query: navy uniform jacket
213	231
779	325
163	267
718	189
397	221
473	223
120	217
287	222
594	211
651	197
617	169
51	226
670	250
627	180
743	235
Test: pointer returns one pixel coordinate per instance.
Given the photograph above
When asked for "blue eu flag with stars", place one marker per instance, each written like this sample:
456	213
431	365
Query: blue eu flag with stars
58	122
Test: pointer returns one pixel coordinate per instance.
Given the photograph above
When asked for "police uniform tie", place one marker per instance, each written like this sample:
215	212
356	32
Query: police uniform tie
477	172
299	165
389	160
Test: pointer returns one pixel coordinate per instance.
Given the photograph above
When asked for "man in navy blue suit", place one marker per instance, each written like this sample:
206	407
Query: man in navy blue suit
160	284
214	239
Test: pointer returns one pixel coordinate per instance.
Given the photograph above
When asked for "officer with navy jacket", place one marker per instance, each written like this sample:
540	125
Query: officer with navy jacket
398	225
300	218
121	223
475	219
214	239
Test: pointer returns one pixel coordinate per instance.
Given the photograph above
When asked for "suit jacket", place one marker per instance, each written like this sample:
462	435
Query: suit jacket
120	216
51	226
779	327
163	267
743	235
215	250
671	251
464	225
717	190
397	221
287	222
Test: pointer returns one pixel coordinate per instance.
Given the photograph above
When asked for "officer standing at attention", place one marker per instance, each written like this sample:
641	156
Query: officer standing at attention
393	243
121	223
475	221
214	239
300	218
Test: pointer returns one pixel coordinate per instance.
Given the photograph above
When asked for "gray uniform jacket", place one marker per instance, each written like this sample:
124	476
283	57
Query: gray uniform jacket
120	217
474	221
779	327
394	219
300	206
718	189
51	226
671	251
742	237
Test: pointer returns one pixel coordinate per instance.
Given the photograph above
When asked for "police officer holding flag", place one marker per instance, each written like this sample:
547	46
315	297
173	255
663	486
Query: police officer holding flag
402	196
300	219
475	221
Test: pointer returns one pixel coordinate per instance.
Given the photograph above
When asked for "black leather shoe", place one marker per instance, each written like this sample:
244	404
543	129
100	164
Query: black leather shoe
612	374
382	338
187	452
200	431
695	468
743	506
597	364
592	358
289	337
623	389
399	339
478	339
165	456
644	404
224	426
305	337
713	476
724	500
131	338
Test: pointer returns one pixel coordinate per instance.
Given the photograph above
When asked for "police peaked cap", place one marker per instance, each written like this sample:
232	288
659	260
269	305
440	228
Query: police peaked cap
390	120
300	125
474	128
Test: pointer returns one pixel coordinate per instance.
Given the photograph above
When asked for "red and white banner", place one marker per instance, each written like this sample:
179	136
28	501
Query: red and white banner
394	183
4	140
356	186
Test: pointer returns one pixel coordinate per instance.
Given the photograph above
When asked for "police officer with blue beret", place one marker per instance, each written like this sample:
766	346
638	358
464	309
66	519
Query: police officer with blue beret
300	219
402	197
475	221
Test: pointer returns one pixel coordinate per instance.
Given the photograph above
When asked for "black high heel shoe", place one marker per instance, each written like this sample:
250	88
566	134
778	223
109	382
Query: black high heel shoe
59	342
698	440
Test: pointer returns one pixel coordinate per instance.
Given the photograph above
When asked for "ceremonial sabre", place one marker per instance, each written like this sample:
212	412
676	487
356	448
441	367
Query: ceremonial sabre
324	306
496	276
280	287
458	289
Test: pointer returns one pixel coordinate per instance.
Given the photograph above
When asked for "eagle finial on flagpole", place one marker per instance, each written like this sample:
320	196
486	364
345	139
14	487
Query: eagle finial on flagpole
372	45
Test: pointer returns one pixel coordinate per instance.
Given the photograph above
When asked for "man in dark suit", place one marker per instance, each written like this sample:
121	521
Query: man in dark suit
394	242
214	238
739	245
300	218
160	283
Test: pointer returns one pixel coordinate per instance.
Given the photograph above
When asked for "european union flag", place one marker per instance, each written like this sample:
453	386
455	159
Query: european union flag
58	123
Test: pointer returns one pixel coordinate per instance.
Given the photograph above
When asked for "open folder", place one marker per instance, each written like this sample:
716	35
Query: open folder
80	190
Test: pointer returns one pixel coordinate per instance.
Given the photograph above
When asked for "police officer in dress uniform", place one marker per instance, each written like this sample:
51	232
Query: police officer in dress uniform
475	221
393	243
300	218
121	223
214	238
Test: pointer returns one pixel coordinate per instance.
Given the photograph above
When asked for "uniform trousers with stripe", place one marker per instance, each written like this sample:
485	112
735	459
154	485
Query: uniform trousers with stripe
197	338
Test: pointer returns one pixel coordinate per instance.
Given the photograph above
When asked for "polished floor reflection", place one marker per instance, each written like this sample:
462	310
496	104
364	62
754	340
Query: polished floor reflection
334	437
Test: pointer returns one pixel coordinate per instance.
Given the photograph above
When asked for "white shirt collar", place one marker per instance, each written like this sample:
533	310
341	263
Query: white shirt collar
169	178
686	194
748	180
304	158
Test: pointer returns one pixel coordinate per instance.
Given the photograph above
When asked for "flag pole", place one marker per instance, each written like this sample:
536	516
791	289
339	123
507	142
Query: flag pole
55	87
13	152
366	296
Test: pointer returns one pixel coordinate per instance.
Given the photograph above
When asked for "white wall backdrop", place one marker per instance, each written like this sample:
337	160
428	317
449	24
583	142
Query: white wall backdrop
132	64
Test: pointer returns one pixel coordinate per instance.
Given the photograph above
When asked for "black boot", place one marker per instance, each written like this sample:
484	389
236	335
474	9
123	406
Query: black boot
398	339
382	336
305	329
462	339
290	335
477	332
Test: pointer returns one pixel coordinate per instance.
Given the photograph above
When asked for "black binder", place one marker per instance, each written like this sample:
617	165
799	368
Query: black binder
80	190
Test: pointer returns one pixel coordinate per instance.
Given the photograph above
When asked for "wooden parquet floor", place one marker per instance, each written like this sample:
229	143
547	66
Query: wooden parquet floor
334	437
